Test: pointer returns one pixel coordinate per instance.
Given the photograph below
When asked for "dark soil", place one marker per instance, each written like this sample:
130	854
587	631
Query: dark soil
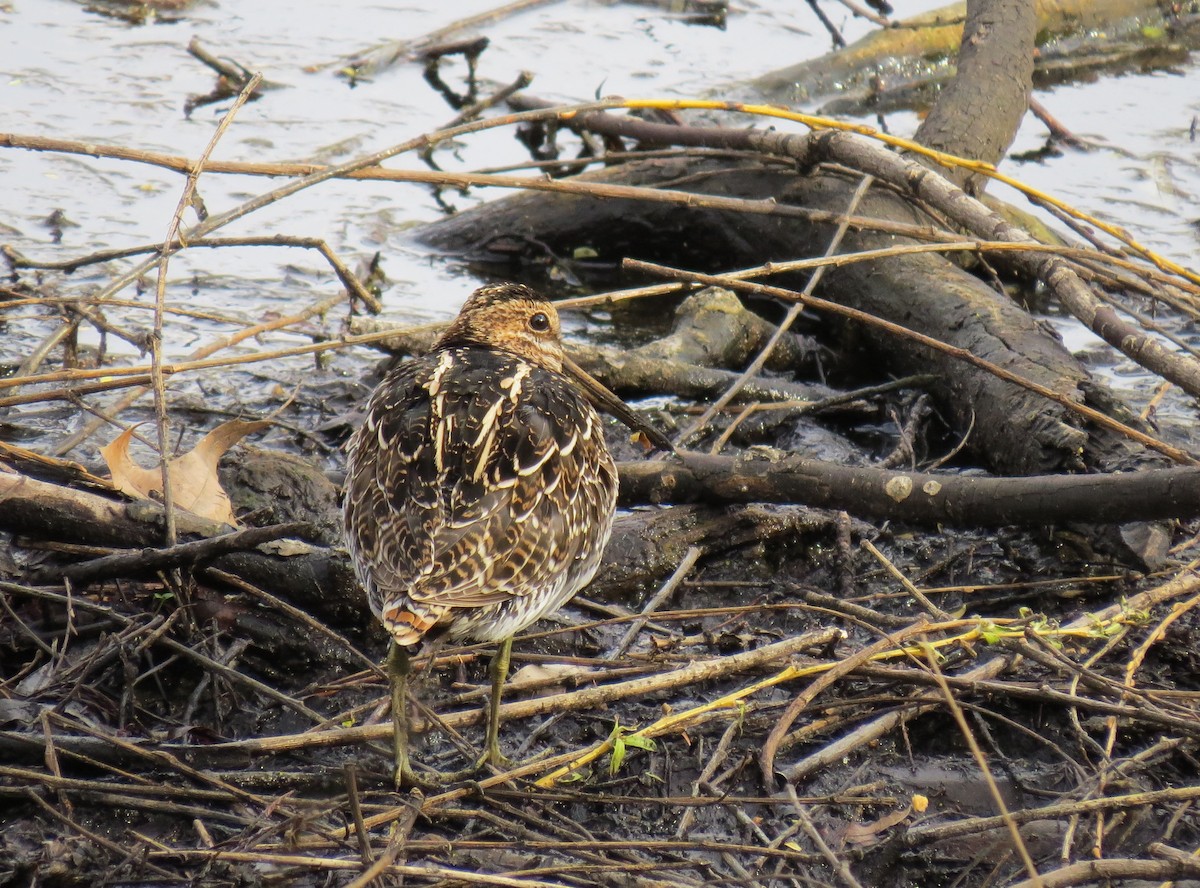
131	709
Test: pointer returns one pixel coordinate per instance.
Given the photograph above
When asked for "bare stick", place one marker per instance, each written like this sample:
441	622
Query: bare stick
439	874
160	298
668	588
766	757
921	497
134	563
349	280
841	867
396	842
981	760
360	829
936	612
797	306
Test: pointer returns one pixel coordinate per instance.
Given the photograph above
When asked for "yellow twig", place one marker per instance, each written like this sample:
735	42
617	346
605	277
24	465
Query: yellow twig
989	631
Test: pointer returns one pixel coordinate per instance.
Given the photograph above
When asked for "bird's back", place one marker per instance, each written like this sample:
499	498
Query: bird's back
479	495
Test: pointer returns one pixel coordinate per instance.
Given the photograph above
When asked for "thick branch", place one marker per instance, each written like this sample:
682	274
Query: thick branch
1058	274
979	111
915	497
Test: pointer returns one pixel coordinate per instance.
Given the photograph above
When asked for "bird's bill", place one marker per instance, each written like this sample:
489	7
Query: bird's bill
611	404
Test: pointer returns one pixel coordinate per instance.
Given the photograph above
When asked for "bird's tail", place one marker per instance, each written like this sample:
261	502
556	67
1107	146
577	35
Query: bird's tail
408	626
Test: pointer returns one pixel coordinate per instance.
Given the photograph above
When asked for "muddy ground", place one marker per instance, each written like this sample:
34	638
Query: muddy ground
141	715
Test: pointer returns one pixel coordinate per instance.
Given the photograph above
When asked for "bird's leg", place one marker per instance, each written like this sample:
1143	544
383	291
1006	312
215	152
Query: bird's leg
398	668
498	671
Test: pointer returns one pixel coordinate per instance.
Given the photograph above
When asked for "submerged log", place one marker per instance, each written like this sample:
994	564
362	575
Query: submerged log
1012	430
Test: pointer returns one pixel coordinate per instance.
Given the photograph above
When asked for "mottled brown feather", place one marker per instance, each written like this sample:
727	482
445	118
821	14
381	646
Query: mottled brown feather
480	491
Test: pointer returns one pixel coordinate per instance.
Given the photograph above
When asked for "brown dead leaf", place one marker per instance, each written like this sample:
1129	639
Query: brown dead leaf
194	483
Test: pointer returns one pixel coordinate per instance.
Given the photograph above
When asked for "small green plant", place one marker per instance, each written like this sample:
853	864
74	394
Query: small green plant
622	738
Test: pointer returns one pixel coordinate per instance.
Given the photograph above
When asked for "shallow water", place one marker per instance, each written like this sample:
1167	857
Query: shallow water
73	74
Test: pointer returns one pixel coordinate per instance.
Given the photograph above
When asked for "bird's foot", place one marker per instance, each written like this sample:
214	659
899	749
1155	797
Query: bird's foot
432	780
494	760
404	777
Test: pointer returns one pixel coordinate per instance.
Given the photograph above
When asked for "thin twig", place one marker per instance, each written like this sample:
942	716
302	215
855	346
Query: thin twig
360	829
349	280
160	298
777	335
841	867
296	613
1035	879
934	611
140	561
668	588
396	842
587	698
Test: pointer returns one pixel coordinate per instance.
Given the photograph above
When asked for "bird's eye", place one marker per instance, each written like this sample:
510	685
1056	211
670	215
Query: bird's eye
539	322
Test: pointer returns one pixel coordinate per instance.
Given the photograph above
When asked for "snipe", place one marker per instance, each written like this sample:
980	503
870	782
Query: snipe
480	492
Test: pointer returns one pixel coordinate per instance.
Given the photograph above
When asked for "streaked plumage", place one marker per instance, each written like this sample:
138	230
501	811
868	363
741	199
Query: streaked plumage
480	495
480	492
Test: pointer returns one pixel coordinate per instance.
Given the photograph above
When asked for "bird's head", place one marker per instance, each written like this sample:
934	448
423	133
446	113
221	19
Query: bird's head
510	317
517	319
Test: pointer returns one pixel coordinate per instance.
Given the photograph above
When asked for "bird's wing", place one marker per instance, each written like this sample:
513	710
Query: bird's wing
485	491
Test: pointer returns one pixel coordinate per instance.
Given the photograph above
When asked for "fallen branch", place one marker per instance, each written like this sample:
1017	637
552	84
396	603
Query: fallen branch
916	497
138	563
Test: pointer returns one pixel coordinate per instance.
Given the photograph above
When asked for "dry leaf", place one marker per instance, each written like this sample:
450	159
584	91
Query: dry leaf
194	483
544	675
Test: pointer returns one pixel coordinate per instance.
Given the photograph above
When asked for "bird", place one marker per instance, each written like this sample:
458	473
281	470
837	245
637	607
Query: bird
480	492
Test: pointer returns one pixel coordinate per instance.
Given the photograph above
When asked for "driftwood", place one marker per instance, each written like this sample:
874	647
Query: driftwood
1012	431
